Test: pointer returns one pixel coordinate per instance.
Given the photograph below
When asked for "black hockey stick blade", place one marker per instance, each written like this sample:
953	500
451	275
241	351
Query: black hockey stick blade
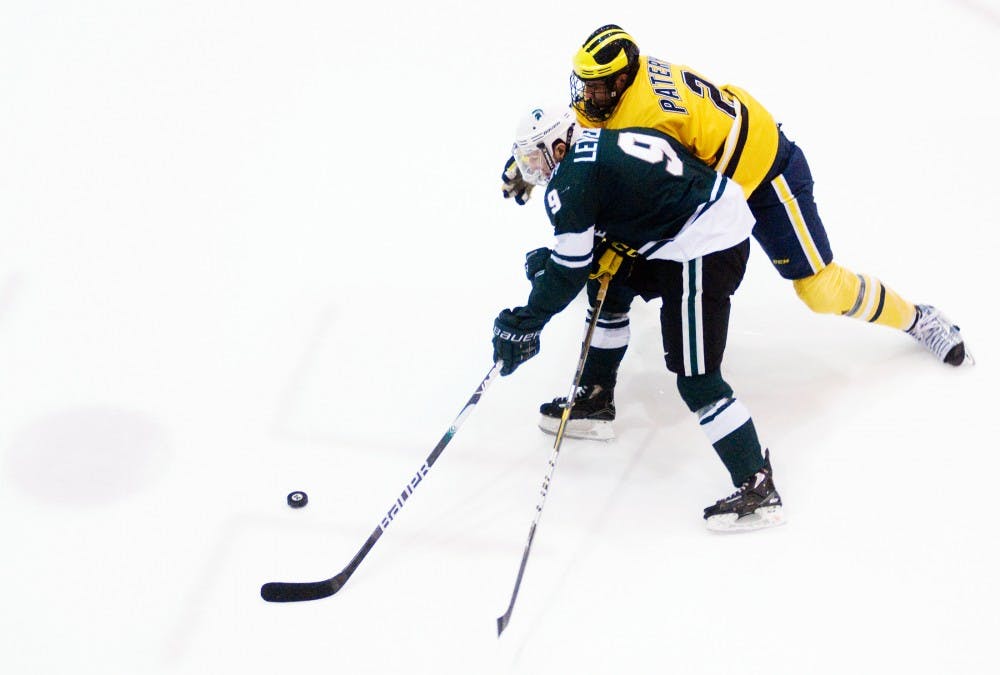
294	591
291	591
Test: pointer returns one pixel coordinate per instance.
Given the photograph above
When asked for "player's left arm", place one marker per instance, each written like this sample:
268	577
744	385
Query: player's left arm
571	211
516	332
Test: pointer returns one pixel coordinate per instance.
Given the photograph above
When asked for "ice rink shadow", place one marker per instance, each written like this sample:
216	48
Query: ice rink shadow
9	290
295	389
589	532
217	558
88	456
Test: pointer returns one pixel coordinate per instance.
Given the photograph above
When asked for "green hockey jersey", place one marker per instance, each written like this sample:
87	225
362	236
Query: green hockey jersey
639	187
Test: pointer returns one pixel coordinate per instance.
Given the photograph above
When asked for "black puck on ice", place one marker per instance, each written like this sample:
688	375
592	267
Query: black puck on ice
297	499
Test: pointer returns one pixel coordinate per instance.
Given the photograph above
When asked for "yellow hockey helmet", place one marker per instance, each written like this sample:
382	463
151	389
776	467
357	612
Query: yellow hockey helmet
607	51
595	85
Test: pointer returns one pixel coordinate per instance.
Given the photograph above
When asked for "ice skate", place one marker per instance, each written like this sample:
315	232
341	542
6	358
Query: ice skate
590	418
754	506
939	336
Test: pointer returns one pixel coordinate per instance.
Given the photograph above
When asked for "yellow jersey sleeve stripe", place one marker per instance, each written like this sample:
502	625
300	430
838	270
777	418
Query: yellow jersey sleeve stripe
732	150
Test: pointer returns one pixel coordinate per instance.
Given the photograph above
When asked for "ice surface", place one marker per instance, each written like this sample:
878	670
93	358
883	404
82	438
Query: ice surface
256	247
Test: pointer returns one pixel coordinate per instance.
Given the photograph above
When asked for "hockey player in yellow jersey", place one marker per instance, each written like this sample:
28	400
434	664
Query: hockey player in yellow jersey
614	86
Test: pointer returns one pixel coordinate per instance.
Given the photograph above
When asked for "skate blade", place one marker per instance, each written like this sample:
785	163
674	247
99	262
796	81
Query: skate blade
588	430
769	516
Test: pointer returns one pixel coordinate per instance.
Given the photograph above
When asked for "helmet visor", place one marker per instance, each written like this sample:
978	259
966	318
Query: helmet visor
535	162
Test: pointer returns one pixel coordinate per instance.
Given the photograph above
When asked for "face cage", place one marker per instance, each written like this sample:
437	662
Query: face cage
536	164
587	107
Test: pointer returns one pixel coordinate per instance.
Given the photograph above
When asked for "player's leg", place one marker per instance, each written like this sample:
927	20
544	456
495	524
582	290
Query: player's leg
594	406
790	231
695	324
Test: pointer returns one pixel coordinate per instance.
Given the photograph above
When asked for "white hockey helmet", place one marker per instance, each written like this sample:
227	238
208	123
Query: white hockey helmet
538	134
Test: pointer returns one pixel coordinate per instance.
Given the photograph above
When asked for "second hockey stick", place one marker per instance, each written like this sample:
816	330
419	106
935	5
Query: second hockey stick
605	279
292	591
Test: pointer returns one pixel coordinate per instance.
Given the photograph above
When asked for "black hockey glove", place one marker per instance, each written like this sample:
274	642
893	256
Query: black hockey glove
534	262
514	184
614	258
512	344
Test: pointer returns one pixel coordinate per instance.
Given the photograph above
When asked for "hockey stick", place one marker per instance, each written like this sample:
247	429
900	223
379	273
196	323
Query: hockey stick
602	291
290	591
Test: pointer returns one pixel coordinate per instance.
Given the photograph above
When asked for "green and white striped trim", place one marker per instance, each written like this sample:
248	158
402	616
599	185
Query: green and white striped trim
692	327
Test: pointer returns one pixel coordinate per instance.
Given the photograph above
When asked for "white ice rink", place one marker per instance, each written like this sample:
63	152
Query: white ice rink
254	247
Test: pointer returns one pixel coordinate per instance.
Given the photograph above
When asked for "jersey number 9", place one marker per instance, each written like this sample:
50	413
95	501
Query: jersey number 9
652	149
552	198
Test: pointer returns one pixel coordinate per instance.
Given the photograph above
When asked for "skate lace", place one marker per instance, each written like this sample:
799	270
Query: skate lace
580	393
747	486
935	333
738	493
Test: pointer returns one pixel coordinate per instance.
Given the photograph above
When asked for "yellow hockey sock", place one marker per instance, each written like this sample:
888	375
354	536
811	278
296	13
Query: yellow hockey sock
837	290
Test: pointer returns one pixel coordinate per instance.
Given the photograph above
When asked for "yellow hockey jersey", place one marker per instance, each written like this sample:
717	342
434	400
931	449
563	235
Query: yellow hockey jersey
723	126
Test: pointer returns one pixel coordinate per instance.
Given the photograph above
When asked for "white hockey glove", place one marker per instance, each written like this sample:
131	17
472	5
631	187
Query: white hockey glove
514	184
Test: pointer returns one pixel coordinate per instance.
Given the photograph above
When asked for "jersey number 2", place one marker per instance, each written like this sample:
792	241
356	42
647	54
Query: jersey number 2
652	149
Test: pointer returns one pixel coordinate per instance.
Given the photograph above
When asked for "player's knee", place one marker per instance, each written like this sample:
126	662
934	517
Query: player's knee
832	290
699	391
612	331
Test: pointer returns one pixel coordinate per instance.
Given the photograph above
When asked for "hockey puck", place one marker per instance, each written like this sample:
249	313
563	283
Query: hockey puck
297	499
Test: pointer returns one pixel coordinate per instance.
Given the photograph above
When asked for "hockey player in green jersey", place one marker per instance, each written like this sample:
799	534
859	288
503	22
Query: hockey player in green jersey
614	86
642	190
